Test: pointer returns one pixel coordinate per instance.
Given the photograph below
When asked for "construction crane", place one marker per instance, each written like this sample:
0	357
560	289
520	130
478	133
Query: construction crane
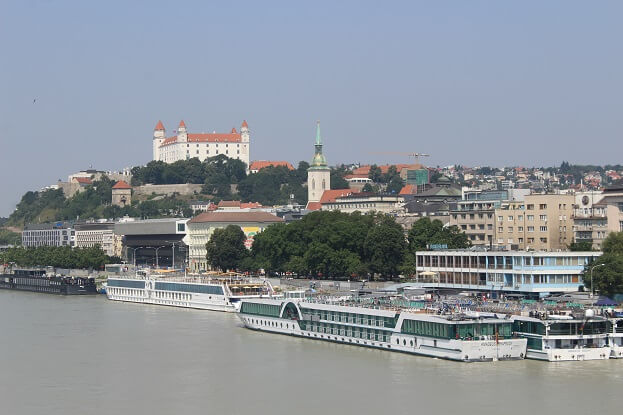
416	156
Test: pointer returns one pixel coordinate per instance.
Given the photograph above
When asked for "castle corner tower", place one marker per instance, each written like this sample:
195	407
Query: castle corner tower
158	139
319	173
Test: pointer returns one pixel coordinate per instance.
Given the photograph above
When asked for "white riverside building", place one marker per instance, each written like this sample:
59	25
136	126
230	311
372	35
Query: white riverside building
48	234
95	233
523	272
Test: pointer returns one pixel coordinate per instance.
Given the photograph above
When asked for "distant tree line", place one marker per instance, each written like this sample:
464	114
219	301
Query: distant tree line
8	237
93	202
58	256
390	181
331	244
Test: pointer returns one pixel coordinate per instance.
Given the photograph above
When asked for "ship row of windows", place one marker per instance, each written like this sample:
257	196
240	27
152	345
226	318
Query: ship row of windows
269	310
452	331
189	288
35	281
126	283
352	318
360	333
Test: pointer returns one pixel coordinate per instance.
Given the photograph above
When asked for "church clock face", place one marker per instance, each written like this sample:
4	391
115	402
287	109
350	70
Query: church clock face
585	200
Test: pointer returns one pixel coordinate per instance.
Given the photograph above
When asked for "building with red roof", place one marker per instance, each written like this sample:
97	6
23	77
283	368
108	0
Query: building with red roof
184	145
121	194
260	164
200	228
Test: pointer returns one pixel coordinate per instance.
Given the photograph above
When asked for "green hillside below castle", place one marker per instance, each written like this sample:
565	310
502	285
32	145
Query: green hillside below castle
220	177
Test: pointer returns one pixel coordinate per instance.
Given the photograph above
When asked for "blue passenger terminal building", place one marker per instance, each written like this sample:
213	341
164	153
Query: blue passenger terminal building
533	273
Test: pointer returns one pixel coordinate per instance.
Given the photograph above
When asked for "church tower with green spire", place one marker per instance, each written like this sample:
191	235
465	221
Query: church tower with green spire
318	174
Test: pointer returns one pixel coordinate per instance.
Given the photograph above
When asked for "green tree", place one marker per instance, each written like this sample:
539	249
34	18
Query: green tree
385	247
8	237
367	188
425	232
581	246
225	249
375	174
395	185
613	244
607	274
337	178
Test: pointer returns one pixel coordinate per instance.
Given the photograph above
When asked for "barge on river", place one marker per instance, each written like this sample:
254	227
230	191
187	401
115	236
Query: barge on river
456	337
37	280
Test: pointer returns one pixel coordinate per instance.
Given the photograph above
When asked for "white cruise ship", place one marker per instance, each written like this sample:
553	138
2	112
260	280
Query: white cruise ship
564	337
455	337
217	293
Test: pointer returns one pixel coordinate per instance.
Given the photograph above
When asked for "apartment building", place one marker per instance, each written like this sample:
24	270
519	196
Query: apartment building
95	233
475	213
541	222
596	214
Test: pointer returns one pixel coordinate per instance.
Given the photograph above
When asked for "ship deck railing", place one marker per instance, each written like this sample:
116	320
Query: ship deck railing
229	280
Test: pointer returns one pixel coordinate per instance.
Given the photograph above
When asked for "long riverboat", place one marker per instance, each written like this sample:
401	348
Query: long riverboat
38	280
456	337
566	337
214	292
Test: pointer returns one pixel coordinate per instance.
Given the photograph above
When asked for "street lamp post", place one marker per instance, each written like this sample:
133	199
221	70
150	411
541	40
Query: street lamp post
134	254
158	248
592	286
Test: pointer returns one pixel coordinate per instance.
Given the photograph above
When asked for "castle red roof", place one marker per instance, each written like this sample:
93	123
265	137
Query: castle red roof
182	124
159	126
244	124
121	185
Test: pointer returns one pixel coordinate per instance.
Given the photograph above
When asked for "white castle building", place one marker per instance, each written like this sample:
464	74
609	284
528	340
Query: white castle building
184	145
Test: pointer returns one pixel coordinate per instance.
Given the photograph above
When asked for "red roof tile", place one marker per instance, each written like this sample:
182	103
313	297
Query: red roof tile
229	203
159	126
182	124
260	164
330	195
409	189
313	205
121	185
250	205
236	217
244	124
233	130
83	180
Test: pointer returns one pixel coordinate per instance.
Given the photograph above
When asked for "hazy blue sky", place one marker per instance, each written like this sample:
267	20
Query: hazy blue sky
470	82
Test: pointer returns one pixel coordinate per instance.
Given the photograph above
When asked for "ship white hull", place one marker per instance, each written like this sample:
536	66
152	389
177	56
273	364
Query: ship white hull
459	350
616	346
167	298
570	355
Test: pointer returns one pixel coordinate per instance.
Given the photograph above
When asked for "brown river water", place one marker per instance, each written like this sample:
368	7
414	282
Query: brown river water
88	355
